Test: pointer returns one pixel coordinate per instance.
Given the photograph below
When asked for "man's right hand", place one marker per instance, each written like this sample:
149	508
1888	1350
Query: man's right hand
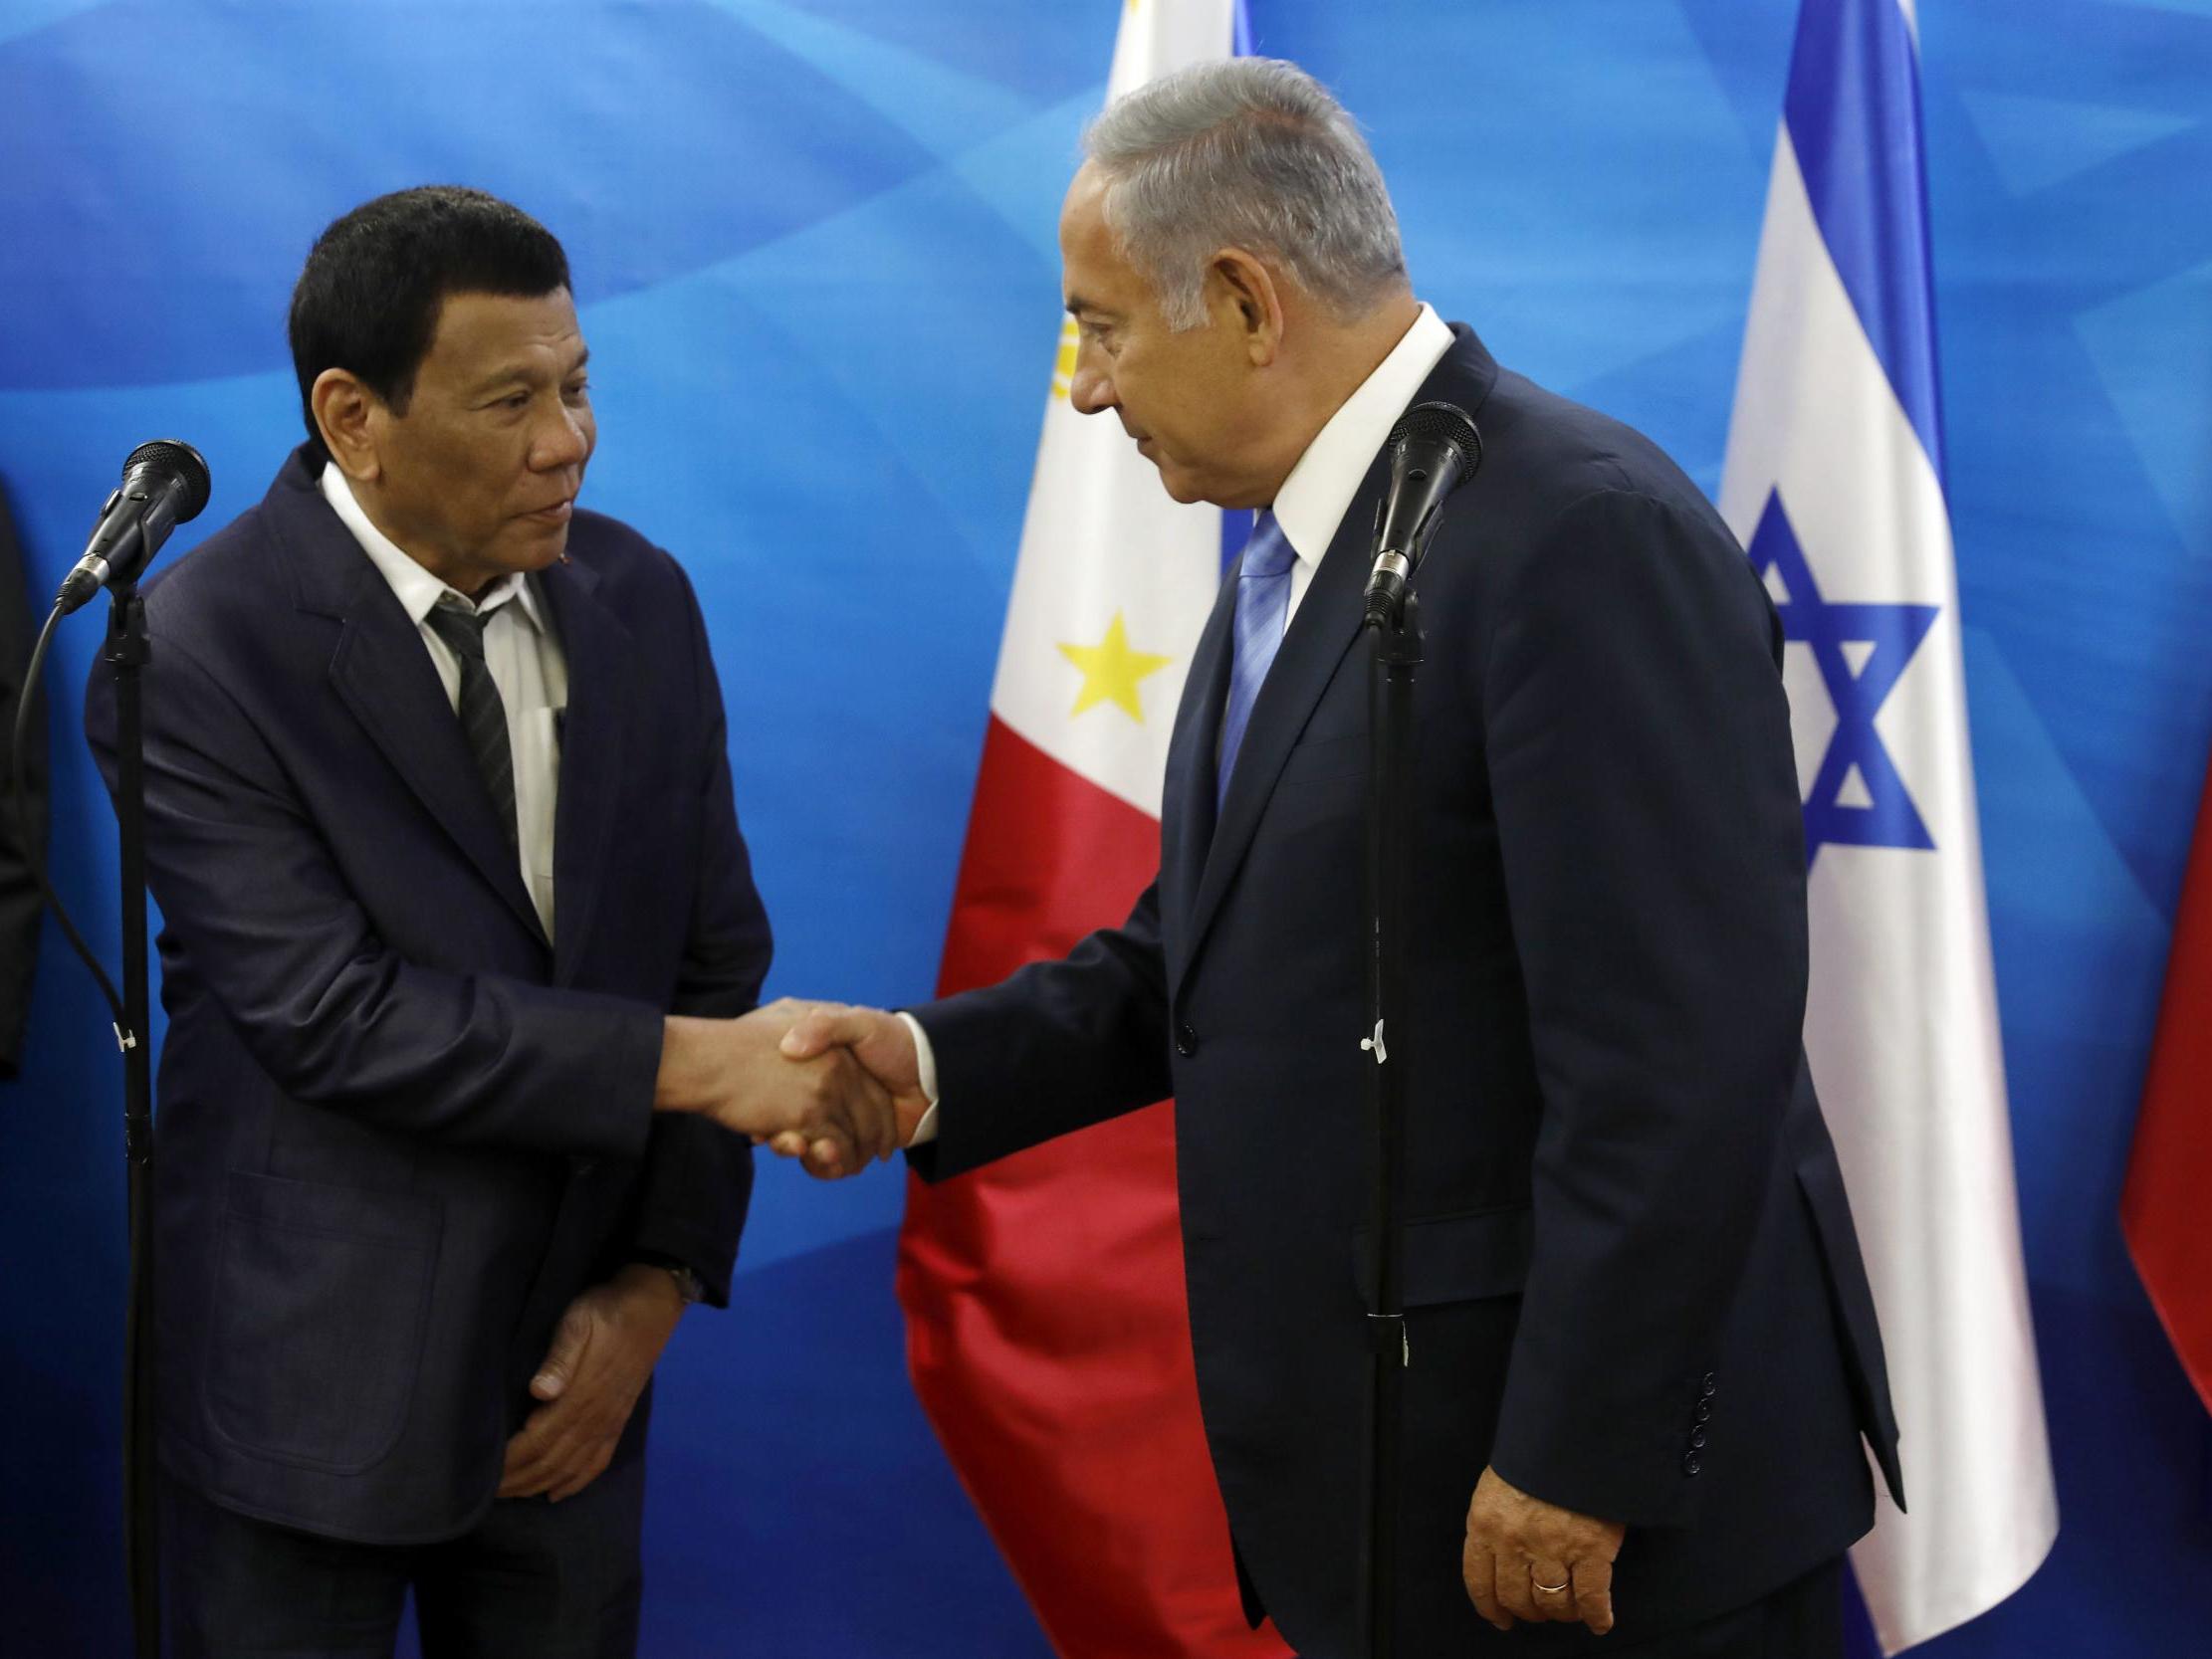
883	1045
827	1109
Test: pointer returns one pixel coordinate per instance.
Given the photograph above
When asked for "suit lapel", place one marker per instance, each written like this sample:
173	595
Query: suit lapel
1327	622
1187	791
382	672
1327	625
601	682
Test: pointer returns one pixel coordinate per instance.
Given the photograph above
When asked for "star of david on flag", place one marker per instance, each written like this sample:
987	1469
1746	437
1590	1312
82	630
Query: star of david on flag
1834	480
1856	798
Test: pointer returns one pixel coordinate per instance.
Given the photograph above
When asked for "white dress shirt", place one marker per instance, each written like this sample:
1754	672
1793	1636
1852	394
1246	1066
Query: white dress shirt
1311	504
1308	508
525	663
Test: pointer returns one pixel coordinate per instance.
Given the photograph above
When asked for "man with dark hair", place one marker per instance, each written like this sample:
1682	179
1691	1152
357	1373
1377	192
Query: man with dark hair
368	301
457	915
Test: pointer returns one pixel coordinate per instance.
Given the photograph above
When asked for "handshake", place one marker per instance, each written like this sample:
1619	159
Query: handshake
832	1085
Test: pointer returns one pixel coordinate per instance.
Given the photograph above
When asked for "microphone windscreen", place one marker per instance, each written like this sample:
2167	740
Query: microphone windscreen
1441	423
174	458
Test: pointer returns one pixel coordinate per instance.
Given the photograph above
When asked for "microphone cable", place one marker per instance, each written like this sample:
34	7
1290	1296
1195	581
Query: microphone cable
33	855
166	482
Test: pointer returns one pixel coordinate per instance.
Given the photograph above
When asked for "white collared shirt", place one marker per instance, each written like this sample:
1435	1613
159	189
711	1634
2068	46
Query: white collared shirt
1313	499
1308	508
526	665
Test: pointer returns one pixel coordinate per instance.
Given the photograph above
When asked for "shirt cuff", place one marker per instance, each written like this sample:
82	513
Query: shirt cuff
925	1061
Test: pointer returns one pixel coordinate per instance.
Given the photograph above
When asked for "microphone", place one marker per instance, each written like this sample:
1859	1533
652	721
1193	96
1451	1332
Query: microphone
164	483
1434	449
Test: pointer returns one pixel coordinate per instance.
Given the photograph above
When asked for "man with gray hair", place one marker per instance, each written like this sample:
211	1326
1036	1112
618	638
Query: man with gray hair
1642	1356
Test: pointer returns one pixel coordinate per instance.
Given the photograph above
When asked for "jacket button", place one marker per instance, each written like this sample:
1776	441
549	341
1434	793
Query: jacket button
1705	1410
1690	1465
1186	1040
1696	1439
1707	1386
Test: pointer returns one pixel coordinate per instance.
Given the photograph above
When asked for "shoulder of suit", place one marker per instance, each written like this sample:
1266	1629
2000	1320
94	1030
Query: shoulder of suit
624	560
243	563
1548	458
236	572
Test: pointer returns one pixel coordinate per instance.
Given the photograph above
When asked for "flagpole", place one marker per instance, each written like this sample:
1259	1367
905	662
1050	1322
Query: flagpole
1834	480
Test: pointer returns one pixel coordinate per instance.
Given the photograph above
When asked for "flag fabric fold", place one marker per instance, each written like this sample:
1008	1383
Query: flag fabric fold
1047	1330
1834	479
2169	1171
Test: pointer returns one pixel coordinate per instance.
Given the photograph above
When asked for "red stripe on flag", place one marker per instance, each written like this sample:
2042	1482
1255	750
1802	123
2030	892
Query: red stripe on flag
1047	1330
2162	1207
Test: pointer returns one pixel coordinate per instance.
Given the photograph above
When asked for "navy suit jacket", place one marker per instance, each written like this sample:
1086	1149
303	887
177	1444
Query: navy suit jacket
398	1129
1632	1277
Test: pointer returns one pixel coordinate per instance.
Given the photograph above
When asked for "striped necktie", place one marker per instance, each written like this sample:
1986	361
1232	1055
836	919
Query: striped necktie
1262	606
482	712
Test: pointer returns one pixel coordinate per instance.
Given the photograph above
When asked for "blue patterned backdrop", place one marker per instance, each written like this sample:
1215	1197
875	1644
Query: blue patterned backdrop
805	230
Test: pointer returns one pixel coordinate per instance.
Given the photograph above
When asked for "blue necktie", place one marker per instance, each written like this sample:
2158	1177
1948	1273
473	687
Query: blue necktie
1262	603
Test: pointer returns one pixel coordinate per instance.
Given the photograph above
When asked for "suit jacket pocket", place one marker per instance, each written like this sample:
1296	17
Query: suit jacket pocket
1456	1258
323	1293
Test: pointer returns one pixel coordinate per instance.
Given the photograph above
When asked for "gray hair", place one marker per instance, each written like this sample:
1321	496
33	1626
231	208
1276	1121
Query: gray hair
1252	154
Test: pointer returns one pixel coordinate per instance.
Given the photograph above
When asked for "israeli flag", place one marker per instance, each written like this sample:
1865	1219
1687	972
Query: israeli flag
1834	482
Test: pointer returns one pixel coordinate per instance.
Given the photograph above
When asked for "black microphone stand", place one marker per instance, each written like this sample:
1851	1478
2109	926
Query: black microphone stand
1395	635
164	484
125	654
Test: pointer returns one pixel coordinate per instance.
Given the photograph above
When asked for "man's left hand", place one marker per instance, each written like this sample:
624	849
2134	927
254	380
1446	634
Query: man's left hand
602	1354
1529	1560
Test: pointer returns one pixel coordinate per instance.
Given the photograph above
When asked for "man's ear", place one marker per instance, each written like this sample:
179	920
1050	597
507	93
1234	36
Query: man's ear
1245	297
349	417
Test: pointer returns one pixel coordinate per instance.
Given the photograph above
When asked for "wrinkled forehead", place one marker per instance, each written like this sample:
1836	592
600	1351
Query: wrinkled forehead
1093	267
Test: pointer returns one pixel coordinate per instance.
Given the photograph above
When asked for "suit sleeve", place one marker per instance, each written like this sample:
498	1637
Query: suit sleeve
1639	760
337	1019
1058	1047
697	1177
19	891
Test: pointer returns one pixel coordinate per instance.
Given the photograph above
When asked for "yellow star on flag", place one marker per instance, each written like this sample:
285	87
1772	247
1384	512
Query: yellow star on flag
1111	671
1064	363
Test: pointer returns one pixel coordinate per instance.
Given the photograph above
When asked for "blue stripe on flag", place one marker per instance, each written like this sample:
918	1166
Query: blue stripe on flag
1241	33
1860	1640
1852	110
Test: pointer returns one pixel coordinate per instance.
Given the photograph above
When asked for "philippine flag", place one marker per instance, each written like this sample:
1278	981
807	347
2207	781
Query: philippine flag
1047	1330
1834	480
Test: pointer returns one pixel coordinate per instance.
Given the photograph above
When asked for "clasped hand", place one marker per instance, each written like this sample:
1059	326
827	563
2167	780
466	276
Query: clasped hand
1527	1560
837	1087
832	1085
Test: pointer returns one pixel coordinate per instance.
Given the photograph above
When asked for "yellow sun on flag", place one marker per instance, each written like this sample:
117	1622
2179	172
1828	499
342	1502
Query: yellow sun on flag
1063	365
1111	672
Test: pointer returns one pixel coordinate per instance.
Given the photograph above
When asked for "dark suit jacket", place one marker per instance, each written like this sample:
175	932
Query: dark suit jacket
399	1129
1634	1283
19	889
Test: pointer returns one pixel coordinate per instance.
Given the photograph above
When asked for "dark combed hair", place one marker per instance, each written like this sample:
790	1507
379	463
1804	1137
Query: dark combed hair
368	301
